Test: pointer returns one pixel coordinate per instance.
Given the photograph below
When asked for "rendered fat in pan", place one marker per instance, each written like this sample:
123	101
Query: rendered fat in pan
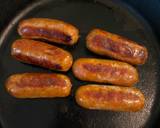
114	98
38	85
49	29
105	71
41	54
115	46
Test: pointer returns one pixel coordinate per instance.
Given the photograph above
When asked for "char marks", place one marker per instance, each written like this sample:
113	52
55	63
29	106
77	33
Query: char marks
113	46
40	80
100	68
41	32
110	96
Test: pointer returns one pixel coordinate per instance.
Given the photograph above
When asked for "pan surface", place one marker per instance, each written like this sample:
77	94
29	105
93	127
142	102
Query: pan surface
112	16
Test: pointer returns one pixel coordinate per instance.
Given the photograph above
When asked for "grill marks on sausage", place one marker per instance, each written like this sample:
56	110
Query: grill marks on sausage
109	44
38	61
100	68
29	52
47	33
117	47
41	81
111	96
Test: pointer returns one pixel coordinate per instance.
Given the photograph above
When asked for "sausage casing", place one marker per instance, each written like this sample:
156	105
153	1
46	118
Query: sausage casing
38	85
50	29
105	71
110	98
41	54
115	46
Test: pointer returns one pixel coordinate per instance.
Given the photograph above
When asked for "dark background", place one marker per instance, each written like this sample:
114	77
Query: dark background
149	9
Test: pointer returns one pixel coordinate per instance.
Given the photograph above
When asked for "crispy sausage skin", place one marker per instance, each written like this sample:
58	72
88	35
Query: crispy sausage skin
115	46
105	71
113	98
38	85
41	54
49	29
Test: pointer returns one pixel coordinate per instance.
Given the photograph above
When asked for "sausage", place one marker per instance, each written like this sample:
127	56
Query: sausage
113	98
49	29
105	71
115	46
38	85
41	54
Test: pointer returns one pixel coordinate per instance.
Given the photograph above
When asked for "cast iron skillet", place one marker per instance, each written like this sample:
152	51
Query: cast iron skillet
113	16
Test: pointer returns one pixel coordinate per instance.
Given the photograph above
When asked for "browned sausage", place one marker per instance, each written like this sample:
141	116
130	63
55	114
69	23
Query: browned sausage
41	54
105	71
115	46
110	98
38	85
49	29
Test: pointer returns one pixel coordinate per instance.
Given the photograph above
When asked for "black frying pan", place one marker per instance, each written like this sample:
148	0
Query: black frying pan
113	16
